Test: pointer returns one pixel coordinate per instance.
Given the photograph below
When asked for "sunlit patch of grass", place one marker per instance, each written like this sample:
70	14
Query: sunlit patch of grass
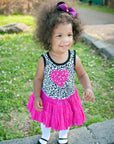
6	19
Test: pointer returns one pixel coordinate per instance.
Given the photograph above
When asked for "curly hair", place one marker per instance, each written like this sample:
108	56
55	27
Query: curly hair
48	17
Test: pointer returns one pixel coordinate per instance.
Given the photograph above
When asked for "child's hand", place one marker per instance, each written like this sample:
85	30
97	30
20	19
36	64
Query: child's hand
38	104
88	95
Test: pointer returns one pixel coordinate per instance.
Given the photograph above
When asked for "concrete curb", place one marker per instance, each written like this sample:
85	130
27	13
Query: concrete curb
106	51
98	133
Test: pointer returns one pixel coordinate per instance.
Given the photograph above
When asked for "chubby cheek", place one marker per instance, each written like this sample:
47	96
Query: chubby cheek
71	41
55	43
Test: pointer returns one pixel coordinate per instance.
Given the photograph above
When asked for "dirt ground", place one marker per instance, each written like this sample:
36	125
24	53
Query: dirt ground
103	32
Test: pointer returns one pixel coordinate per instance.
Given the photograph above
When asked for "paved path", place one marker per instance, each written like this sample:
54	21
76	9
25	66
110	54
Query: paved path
98	133
90	17
99	25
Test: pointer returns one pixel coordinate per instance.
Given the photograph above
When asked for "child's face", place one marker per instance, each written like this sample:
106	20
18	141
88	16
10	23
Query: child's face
62	38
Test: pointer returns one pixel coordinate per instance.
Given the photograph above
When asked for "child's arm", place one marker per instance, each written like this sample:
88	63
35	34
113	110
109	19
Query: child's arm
38	85
85	81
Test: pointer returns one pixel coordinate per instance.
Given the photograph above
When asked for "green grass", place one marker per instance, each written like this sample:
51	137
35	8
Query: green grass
104	9
26	19
18	62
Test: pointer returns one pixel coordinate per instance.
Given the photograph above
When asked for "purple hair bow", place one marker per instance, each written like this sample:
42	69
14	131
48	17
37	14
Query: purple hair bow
63	7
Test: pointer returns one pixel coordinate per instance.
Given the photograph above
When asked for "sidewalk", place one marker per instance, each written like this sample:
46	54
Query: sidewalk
98	31
98	133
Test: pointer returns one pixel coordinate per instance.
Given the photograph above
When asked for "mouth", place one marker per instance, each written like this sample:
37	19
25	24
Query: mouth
64	46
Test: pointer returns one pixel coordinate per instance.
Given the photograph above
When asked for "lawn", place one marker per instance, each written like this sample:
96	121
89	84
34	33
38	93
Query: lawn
18	62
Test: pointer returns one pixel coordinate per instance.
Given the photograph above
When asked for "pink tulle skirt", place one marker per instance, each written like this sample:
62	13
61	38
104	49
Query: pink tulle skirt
58	114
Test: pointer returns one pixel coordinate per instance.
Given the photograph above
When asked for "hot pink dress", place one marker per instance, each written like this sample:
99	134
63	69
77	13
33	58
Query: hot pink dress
61	103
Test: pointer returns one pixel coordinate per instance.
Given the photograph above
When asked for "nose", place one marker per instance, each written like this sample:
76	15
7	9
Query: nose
65	39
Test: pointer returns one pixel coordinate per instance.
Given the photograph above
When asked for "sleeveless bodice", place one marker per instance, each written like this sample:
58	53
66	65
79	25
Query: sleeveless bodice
59	78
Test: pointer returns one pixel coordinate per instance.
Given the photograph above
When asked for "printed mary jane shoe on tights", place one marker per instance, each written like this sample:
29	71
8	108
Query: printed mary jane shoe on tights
41	139
62	139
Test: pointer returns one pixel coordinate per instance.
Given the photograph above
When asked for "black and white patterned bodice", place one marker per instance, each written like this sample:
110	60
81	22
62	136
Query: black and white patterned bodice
59	78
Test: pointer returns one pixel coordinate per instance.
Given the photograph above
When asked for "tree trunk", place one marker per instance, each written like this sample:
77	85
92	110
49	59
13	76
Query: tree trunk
111	3
105	2
89	2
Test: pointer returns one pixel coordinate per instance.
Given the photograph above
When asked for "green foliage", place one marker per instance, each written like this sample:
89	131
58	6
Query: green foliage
18	62
34	128
6	134
16	13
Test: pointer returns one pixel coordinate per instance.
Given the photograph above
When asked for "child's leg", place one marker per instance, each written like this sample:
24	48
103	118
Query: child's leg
63	134
45	134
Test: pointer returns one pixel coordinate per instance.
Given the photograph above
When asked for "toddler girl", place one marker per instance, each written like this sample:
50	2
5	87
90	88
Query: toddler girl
55	102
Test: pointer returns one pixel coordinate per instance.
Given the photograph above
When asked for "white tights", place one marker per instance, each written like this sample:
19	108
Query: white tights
46	134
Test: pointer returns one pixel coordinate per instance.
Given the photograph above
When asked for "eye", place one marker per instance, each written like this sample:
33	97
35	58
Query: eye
59	36
69	35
